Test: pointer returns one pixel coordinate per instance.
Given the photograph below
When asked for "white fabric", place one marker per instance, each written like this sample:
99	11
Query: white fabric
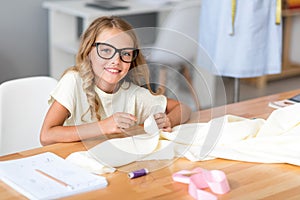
275	140
150	125
129	98
84	160
92	162
123	151
256	46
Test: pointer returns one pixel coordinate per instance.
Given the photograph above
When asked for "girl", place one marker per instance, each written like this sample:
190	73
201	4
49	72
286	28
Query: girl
102	93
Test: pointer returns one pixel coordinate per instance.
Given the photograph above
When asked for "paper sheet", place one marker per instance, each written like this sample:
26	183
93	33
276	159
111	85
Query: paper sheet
22	175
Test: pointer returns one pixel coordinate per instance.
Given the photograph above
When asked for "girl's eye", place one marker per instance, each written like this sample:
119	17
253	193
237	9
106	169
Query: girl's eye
106	50
126	53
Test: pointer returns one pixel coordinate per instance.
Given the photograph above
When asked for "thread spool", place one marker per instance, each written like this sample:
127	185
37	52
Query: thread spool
138	173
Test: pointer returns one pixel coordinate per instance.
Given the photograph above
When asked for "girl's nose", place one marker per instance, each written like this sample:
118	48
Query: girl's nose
116	58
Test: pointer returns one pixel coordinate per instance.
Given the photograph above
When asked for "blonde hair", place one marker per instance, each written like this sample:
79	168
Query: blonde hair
139	72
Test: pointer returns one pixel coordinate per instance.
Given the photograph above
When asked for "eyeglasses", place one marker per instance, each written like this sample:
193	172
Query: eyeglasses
107	51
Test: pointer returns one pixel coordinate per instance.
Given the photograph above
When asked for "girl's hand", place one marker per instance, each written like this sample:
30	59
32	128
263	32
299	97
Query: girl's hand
117	122
163	122
123	120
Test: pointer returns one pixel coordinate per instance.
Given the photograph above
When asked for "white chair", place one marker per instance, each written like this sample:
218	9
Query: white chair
23	105
176	43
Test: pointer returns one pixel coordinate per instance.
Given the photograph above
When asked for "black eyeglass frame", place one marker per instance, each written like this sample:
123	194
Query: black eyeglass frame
134	50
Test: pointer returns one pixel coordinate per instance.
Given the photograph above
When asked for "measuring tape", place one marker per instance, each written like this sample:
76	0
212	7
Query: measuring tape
278	11
233	13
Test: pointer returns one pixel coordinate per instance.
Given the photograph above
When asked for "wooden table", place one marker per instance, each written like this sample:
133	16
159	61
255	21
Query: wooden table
247	180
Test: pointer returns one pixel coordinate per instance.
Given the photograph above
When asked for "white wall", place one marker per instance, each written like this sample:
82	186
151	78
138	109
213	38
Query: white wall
23	39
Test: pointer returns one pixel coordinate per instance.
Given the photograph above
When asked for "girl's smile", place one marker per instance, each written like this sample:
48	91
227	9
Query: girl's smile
113	70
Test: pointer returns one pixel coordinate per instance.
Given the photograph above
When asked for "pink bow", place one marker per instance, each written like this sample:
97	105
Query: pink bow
199	179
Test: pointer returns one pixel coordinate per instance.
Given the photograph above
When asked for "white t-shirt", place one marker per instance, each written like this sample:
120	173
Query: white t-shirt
130	98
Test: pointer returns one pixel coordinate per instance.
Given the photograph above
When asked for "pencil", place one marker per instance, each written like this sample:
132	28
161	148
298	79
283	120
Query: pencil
53	178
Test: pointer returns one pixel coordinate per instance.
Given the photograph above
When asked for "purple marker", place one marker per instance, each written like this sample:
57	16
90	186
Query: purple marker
138	173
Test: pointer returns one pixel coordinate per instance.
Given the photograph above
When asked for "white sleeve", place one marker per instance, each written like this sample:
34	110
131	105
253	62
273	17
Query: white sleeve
64	93
149	103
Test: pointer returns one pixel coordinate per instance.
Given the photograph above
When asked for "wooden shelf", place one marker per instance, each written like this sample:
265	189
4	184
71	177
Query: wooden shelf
290	12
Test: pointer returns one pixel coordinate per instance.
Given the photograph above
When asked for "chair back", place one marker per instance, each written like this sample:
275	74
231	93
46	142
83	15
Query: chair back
23	105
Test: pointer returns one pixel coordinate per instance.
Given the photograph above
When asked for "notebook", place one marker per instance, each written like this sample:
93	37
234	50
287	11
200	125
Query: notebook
286	102
48	176
281	103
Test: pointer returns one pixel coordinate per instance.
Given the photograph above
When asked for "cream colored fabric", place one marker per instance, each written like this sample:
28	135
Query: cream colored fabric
85	160
121	151
275	140
129	98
